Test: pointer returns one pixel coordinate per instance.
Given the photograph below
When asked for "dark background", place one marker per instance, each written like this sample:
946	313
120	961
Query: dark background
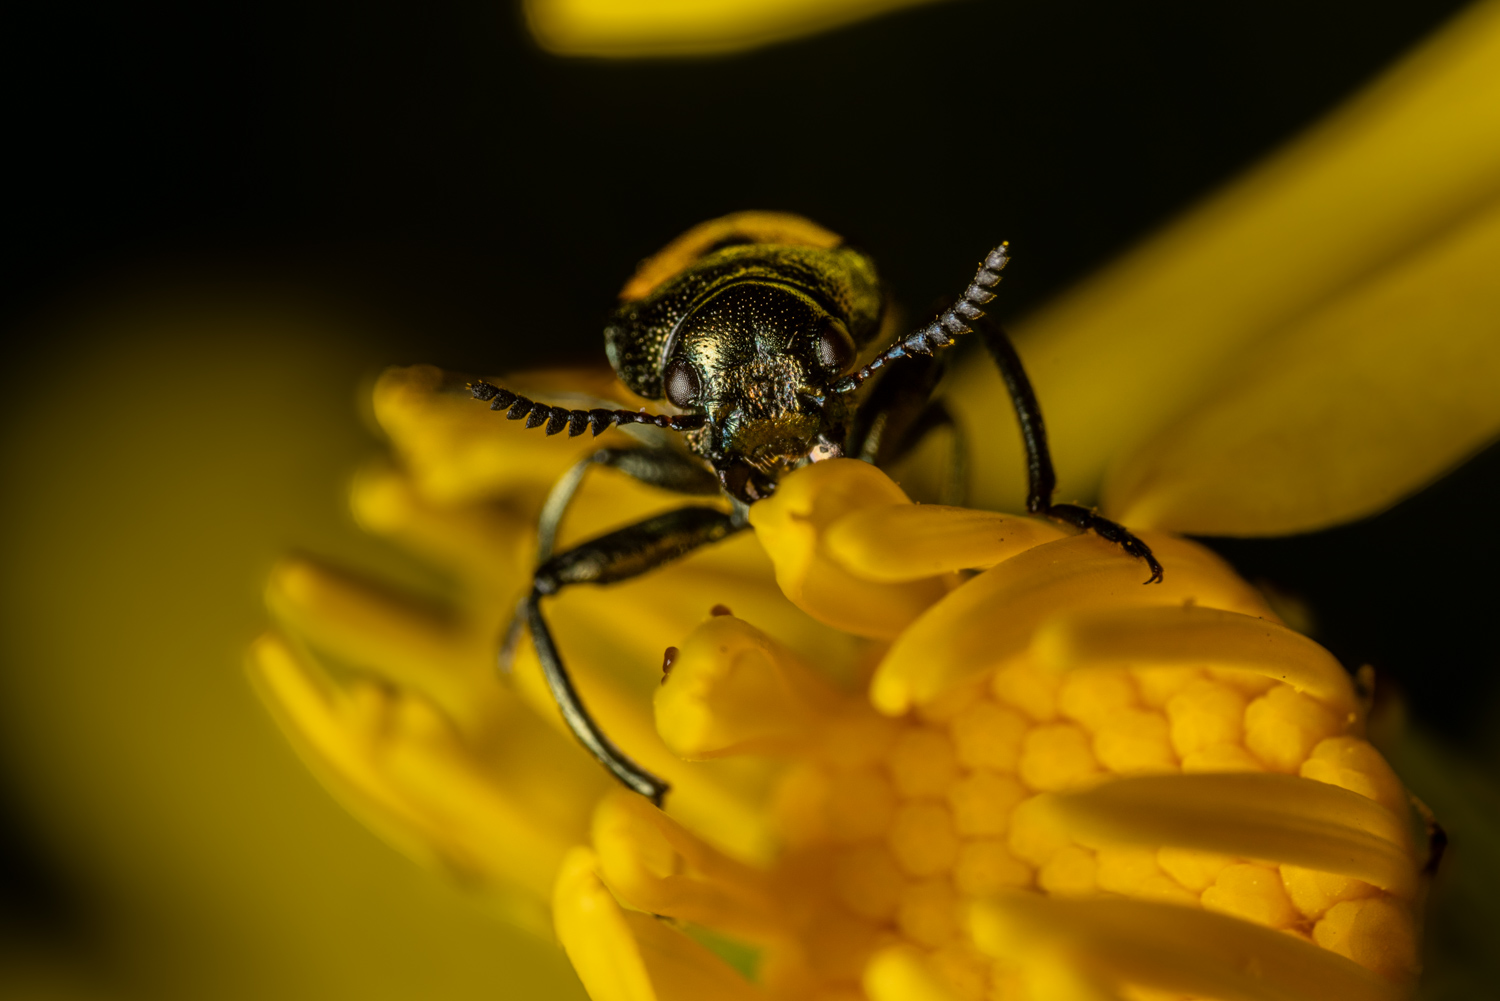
481	201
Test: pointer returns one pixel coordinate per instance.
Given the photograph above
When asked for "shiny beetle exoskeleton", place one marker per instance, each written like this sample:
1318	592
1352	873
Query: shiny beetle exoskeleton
750	327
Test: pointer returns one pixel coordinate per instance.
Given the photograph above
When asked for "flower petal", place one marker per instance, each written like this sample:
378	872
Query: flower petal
623	956
992	617
1281	818
655	865
1178	950
1190	636
734	690
359	623
397	764
1124	355
907	542
1345	412
633	29
791	526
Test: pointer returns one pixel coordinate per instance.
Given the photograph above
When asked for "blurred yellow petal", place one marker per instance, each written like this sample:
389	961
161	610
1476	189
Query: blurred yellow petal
907	542
641	28
396	762
488	546
993	616
1128	353
356	622
623	956
1174	949
791	525
1281	818
1344	413
1192	636
655	865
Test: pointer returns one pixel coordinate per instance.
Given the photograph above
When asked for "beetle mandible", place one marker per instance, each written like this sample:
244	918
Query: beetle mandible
750	327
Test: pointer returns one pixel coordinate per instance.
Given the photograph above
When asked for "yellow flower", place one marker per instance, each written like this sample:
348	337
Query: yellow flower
898	778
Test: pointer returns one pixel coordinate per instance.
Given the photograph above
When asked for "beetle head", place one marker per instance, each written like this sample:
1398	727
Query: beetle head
757	358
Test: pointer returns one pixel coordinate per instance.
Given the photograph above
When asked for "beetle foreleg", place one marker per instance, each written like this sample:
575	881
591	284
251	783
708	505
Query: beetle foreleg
619	555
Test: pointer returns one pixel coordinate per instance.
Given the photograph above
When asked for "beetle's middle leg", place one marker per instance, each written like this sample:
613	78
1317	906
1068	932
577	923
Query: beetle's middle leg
619	555
1041	479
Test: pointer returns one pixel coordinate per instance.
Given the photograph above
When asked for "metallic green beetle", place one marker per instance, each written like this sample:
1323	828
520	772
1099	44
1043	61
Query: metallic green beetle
750	327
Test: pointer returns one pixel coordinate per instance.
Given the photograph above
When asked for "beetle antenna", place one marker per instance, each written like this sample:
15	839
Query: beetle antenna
517	407
945	329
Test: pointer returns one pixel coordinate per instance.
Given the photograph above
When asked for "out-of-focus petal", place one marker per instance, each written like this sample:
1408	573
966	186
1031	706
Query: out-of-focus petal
357	622
397	764
1178	950
993	617
655	865
791	525
1347	411
624	29
906	542
1127	353
629	956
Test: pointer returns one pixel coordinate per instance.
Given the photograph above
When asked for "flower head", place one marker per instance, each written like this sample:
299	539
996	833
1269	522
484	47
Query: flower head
889	770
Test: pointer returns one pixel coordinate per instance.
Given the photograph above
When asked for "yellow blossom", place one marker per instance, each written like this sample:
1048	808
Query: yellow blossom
925	752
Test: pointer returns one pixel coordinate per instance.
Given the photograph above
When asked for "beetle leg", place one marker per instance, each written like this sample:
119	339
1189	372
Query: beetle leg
619	555
657	467
900	413
1041	479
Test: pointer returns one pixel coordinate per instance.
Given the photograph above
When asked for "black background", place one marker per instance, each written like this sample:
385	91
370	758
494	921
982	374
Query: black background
427	164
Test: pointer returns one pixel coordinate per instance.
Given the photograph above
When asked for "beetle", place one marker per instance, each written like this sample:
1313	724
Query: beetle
750	327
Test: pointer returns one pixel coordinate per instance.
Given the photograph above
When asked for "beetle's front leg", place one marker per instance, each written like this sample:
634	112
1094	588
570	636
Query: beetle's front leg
620	555
667	468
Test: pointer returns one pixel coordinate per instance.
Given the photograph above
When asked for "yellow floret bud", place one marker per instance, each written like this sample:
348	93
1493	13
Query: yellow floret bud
1252	892
1282	727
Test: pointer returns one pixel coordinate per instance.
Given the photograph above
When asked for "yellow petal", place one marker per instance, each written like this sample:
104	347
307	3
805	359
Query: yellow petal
733	690
396	763
1169	948
907	542
898	974
791	526
1347	411
640	28
359	623
1193	636
1125	354
490	547
655	865
993	617
1282	818
623	956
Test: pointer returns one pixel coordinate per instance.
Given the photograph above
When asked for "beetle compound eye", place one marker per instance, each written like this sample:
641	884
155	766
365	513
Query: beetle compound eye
835	346
681	384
